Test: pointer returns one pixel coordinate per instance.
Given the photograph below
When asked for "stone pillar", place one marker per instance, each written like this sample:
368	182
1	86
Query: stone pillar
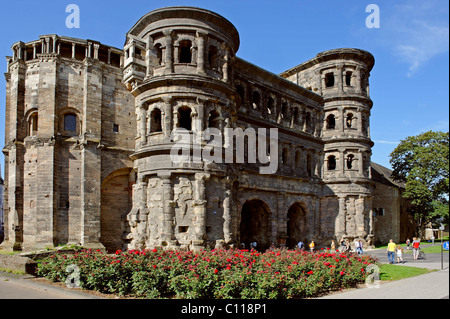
340	82
168	233
201	53
199	205
142	125
168	117
169	52
341	162
96	48
225	67
340	226
227	217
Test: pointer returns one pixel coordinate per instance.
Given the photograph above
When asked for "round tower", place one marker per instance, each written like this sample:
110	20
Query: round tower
344	85
177	65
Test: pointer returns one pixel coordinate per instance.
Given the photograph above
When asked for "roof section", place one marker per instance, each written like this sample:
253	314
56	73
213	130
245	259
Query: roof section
383	175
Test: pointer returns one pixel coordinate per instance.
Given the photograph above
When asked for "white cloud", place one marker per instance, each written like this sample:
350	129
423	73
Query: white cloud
386	142
416	32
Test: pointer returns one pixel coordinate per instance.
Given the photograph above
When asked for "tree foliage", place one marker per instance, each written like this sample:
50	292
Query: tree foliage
422	163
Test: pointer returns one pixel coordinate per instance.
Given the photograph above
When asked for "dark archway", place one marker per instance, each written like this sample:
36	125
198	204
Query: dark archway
296	226
255	225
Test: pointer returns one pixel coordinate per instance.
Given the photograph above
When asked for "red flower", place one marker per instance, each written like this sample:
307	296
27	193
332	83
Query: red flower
310	272
216	271
342	273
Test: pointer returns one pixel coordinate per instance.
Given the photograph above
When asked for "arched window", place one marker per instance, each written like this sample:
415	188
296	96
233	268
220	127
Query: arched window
33	124
214	119
285	156
213	58
298	160
348	78
295	115
349	120
329	80
155	121
349	160
256	99
331	122
331	163
284	110
270	105
241	91
70	123
185	51
185	120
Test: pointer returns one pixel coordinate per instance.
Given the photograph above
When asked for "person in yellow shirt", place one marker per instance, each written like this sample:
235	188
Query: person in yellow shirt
311	246
391	251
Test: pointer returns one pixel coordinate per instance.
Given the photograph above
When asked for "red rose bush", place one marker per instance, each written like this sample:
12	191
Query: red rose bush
214	274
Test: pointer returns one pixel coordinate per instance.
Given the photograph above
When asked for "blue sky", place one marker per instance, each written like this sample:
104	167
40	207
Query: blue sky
409	83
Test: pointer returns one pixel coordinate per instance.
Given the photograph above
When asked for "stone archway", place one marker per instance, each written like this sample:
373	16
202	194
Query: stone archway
255	224
296	226
115	205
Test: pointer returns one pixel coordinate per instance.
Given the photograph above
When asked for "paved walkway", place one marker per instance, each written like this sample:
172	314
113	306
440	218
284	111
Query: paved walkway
433	285
22	287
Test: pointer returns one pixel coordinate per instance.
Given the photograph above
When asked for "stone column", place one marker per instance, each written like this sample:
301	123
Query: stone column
340	226
142	125
340	82
225	67
341	162
168	223
168	117
201	53
169	52
227	217
199	205
73	50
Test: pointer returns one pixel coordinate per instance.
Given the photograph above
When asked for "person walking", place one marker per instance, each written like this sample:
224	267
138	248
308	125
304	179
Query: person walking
408	243
391	251
311	246
399	254
415	247
301	246
333	247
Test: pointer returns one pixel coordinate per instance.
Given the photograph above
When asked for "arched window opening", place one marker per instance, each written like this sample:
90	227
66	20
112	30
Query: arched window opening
256	99
298	159
241	91
349	120
329	80
270	105
214	119
185	51
331	163
348	78
158	52
213	58
155	121
70	123
284	110
331	122
33	124
307	120
350	159
295	116
185	120
309	165
285	156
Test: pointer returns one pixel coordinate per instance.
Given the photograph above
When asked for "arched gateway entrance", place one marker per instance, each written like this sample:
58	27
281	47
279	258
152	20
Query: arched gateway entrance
296	226
255	225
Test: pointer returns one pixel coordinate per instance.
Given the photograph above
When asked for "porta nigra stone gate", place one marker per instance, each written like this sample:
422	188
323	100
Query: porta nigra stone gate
88	141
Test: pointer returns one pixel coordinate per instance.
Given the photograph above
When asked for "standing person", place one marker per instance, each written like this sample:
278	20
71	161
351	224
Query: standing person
333	247
311	246
360	246
301	246
399	254
408	242
391	251
416	247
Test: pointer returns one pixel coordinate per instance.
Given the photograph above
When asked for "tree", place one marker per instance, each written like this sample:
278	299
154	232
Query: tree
422	163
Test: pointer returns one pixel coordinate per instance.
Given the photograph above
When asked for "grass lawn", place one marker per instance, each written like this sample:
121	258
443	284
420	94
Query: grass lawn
393	272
